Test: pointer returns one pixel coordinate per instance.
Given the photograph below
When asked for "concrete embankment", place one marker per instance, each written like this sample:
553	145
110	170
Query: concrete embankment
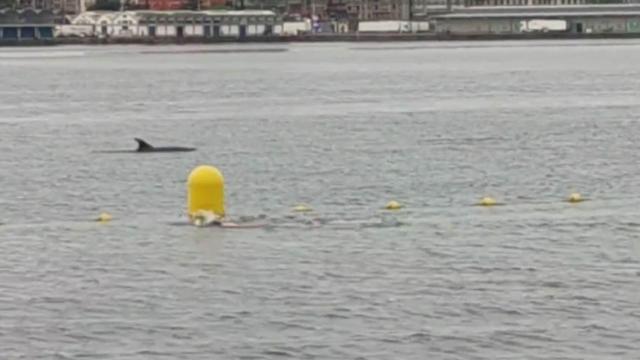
348	37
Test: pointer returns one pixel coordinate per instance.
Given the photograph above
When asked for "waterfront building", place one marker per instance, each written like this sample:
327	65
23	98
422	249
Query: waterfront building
160	5
27	24
59	6
575	19
179	24
101	24
493	3
347	9
208	24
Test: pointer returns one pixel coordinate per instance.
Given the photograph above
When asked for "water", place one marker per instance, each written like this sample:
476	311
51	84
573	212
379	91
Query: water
344	128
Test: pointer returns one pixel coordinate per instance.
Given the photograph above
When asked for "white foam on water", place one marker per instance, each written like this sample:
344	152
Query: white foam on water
40	54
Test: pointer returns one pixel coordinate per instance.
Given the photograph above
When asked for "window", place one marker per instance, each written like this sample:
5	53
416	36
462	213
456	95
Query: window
45	32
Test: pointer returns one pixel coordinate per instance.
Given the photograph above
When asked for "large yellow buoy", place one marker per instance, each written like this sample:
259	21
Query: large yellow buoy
205	190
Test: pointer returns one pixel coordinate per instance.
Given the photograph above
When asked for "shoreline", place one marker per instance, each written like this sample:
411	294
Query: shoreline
348	37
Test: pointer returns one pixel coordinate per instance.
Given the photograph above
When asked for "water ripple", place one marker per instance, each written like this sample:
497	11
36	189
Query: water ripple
345	132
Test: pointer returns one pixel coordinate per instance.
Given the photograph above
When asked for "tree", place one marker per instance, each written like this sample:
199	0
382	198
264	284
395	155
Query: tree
192	5
4	4
110	5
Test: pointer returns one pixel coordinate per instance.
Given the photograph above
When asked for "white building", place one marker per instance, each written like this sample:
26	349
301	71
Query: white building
209	23
101	24
180	24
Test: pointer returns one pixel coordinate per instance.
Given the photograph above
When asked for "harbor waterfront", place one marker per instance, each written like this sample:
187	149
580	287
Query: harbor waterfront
371	38
38	27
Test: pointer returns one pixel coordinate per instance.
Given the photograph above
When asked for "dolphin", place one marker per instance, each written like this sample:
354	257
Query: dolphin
145	147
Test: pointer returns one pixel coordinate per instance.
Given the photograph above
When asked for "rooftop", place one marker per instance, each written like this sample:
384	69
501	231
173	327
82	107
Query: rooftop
543	11
208	12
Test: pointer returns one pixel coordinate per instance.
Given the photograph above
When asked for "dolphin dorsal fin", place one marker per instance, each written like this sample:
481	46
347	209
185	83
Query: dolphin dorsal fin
143	145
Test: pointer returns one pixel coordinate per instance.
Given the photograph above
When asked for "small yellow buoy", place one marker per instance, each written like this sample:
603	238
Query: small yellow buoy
393	205
487	201
302	208
104	217
575	198
205	191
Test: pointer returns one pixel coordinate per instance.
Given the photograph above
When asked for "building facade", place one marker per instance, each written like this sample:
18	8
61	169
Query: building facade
62	6
68	6
348	9
208	24
162	5
25	25
476	3
470	3
174	24
589	19
387	10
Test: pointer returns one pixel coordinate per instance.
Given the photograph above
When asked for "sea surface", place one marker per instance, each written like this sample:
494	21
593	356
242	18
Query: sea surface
343	128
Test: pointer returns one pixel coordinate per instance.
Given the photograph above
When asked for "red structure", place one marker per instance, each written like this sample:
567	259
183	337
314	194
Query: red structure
169	4
183	4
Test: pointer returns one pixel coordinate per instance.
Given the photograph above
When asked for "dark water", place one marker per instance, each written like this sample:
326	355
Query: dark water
344	128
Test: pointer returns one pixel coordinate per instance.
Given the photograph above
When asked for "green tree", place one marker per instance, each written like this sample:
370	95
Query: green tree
7	4
192	5
112	5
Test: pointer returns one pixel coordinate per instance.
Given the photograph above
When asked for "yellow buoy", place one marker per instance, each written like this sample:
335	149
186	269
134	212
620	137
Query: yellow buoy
104	217
205	191
488	201
575	198
302	208
393	205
